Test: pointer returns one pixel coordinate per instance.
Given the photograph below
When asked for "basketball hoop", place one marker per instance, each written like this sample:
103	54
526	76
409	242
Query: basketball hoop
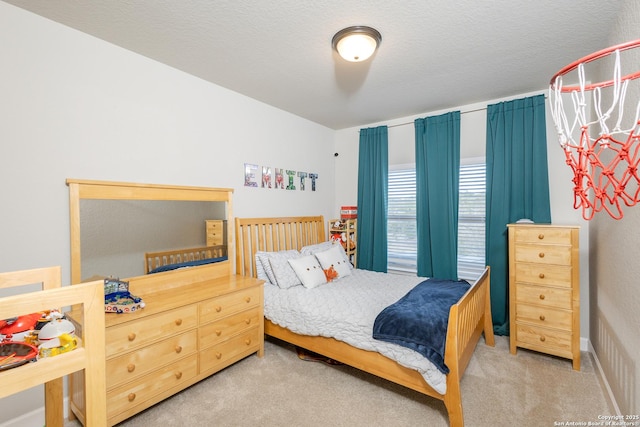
602	153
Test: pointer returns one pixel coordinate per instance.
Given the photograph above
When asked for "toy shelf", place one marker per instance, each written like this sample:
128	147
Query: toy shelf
349	241
89	355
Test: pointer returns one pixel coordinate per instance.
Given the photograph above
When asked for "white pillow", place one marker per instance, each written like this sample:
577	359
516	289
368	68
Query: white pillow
309	271
260	273
324	246
334	258
263	257
285	276
318	247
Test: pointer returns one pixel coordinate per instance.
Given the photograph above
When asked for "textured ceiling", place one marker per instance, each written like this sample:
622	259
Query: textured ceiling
434	54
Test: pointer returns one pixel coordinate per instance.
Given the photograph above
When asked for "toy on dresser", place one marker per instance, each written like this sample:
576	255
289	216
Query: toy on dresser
118	299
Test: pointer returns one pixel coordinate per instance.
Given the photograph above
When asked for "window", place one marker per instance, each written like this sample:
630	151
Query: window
402	241
471	219
401	222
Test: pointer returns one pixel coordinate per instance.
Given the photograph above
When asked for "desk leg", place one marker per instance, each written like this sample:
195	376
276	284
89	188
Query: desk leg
54	403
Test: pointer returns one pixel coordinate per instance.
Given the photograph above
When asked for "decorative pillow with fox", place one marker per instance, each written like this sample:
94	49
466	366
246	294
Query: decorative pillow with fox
333	263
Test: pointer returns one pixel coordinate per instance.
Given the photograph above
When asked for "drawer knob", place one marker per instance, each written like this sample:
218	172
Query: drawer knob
178	348
131	397
131	336
218	333
131	367
248	299
540	236
541	296
542	339
541	275
178	375
542	317
218	309
178	322
247	341
218	356
248	321
541	254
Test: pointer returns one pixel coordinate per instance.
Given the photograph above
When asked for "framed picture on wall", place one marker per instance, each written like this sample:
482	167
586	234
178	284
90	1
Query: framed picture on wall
279	179
266	177
250	175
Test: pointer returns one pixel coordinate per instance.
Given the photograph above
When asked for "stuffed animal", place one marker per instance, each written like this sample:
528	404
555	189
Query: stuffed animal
331	274
347	242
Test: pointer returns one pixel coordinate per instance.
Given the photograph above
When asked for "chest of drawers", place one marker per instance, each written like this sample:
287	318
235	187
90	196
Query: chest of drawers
216	232
184	334
544	289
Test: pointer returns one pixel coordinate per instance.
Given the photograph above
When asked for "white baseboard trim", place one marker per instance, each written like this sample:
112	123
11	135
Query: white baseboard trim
34	418
603	379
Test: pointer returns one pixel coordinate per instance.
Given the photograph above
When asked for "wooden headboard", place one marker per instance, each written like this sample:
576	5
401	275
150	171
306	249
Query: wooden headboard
274	234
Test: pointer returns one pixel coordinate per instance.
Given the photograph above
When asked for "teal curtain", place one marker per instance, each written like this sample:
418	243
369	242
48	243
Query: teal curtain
517	186
373	177
437	175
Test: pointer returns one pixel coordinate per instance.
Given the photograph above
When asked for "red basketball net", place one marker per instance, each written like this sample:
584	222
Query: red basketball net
603	155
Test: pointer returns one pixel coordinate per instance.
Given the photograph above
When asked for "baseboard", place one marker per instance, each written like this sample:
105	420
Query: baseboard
603	380
34	418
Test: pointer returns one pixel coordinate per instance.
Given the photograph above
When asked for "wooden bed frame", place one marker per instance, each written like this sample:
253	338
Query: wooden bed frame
153	260
468	318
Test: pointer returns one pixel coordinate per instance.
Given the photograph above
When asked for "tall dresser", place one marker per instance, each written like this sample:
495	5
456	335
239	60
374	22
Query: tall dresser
544	289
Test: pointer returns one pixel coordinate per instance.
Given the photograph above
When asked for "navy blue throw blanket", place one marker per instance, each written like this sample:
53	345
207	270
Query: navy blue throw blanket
187	264
419	319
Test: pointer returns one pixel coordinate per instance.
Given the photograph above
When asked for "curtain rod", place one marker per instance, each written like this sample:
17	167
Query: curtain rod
461	112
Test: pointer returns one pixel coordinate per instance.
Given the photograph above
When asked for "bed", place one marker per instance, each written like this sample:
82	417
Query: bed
468	319
156	262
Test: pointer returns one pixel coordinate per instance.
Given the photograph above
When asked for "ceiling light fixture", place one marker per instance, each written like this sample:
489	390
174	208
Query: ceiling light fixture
357	43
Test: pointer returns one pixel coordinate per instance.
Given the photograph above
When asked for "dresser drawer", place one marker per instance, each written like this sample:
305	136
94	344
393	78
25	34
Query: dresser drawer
543	296
131	335
543	254
544	316
134	393
219	331
547	235
217	308
547	340
134	364
542	274
217	357
215	232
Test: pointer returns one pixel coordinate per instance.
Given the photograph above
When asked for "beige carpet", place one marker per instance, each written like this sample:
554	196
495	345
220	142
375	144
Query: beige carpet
498	389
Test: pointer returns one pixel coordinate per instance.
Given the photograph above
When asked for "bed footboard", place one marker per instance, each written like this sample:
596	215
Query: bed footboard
153	260
468	319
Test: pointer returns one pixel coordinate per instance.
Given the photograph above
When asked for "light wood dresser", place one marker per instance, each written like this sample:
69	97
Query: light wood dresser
216	232
186	332
544	289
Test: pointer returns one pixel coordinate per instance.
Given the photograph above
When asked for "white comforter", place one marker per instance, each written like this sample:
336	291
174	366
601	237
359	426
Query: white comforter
346	310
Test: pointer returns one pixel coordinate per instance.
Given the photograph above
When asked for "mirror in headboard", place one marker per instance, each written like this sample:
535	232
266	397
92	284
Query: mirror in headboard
114	224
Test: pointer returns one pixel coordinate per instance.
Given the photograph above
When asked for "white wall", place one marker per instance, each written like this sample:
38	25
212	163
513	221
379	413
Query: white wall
472	144
73	106
615	293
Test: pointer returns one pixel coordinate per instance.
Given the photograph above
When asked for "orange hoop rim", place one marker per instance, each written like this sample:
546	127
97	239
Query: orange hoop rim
593	57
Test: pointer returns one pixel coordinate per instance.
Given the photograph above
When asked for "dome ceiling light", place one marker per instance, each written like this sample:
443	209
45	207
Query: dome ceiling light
357	43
